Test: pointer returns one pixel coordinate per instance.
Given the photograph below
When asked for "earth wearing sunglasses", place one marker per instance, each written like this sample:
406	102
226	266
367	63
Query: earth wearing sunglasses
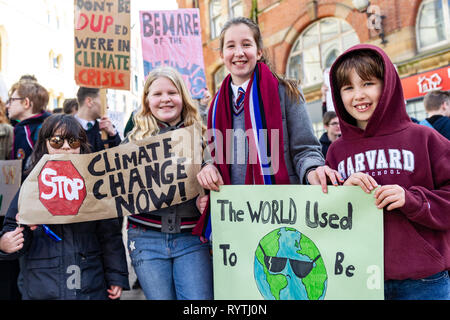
288	266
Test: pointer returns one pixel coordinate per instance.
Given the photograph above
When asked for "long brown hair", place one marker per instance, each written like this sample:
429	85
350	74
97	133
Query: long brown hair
69	127
290	84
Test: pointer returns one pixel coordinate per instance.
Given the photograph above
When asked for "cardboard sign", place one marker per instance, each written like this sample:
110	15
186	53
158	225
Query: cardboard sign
102	44
10	177
293	242
128	179
174	38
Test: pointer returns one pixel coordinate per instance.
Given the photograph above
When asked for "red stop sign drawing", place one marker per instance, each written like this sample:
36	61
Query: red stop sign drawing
61	188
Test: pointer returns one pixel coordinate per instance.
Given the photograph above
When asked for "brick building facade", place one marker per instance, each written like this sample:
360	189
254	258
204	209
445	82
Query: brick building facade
303	37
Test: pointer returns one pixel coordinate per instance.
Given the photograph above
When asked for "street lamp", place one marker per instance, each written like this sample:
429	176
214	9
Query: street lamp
374	17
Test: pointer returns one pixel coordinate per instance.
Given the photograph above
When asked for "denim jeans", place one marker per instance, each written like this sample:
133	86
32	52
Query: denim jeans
435	287
171	266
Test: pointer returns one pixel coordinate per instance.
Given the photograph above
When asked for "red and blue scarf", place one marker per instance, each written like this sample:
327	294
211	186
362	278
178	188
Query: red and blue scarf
262	113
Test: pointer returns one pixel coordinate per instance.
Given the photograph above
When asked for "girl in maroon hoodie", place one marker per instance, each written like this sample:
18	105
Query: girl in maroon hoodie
381	146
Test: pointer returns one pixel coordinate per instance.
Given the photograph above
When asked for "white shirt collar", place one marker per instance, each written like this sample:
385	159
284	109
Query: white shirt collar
83	122
235	88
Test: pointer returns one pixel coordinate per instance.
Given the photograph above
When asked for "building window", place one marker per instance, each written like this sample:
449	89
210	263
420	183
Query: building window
318	47
235	8
433	23
416	109
219	75
215	9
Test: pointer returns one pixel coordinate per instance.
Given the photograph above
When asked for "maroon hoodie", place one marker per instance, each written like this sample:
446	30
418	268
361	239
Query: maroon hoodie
394	150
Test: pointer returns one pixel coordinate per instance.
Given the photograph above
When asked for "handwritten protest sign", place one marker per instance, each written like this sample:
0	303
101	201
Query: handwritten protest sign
10	177
295	242
128	179
102	44
117	118
174	38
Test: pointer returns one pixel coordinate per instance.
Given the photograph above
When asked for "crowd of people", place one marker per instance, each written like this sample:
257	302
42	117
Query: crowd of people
169	248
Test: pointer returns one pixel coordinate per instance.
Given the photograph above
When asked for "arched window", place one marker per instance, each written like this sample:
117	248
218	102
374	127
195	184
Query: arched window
215	9
433	24
235	8
318	47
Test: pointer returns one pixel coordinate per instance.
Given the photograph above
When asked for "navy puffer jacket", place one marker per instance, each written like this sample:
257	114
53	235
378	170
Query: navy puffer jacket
89	259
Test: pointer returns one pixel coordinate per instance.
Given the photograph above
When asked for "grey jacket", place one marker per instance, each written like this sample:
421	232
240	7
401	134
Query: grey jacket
302	150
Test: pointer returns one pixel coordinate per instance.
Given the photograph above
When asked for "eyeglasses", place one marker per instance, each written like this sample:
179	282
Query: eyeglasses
277	264
12	99
334	124
57	142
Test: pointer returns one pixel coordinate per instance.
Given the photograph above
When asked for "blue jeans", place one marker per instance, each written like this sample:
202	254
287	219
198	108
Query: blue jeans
435	287
171	266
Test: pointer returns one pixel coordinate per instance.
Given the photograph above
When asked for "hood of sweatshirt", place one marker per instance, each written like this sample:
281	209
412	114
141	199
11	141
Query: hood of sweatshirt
390	114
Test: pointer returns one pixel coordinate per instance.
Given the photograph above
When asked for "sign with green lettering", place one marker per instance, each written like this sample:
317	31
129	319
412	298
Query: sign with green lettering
293	242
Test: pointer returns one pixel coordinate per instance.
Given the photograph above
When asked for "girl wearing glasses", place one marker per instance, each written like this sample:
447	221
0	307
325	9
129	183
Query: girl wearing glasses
83	260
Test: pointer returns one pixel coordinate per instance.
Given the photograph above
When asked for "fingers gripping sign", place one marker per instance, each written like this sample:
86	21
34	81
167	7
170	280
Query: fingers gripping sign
209	178
12	241
392	196
321	175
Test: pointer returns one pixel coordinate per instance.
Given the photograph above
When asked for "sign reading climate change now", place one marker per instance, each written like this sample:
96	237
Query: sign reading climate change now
296	243
174	38
132	178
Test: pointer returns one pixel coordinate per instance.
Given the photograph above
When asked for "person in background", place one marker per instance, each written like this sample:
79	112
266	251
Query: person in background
333	131
70	106
90	118
203	106
437	105
27	103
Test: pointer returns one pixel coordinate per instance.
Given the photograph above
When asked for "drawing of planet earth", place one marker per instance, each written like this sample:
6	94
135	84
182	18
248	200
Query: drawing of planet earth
288	266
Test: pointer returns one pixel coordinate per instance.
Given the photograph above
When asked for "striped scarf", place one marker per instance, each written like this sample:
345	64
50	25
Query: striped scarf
262	114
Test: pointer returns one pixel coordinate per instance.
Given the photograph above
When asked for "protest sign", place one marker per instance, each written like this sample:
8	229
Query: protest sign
117	118
174	38
102	44
295	242
132	178
10	177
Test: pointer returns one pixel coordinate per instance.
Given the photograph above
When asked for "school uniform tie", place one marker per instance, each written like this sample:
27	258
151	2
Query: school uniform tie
89	125
239	105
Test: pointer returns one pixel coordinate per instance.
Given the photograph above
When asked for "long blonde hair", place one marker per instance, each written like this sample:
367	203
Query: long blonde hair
145	123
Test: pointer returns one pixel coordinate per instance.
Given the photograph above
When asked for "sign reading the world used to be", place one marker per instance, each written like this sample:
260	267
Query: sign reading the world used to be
173	38
296	243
